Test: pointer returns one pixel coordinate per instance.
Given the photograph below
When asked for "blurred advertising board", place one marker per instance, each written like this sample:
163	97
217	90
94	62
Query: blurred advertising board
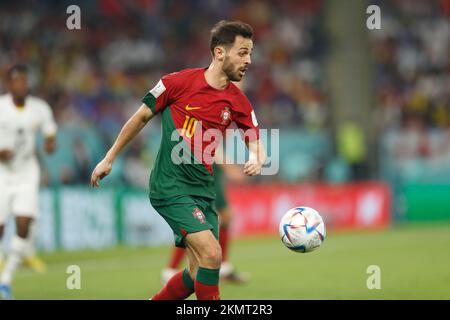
426	201
74	218
258	209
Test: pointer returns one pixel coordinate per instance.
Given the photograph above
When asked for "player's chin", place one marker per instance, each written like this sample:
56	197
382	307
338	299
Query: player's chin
237	76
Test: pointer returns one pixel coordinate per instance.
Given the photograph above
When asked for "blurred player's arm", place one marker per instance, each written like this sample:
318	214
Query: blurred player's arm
257	157
232	171
127	133
48	128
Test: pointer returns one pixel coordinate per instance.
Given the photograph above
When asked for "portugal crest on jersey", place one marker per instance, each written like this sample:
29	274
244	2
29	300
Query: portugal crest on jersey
226	115
198	214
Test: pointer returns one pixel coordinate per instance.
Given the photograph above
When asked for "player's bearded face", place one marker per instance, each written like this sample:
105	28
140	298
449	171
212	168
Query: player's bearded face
231	70
237	58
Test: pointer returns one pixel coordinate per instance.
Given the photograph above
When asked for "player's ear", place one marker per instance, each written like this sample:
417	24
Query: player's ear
219	53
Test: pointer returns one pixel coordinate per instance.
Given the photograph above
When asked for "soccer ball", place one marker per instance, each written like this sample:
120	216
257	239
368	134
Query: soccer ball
302	229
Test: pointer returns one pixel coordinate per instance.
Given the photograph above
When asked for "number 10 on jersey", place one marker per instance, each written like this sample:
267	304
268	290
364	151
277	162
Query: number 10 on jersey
190	123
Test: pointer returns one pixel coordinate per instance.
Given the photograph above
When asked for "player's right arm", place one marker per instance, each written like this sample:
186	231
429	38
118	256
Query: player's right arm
6	140
127	133
162	95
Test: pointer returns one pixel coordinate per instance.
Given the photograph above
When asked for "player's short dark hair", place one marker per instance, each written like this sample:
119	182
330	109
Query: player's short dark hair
17	68
225	32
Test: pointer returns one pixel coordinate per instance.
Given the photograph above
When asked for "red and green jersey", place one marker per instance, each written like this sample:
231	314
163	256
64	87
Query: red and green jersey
189	107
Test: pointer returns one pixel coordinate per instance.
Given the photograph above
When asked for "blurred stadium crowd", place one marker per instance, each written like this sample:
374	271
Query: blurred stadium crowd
95	77
412	64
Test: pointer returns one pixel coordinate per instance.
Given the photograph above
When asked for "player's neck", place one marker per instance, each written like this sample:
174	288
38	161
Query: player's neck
216	78
19	102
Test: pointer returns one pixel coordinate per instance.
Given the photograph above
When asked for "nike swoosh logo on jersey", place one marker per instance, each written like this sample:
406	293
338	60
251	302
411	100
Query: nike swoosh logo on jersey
188	107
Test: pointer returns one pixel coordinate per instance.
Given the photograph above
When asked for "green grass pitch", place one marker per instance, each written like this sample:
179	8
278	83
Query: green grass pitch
414	261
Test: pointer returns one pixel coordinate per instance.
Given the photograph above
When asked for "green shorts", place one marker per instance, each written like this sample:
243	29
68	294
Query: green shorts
188	214
221	200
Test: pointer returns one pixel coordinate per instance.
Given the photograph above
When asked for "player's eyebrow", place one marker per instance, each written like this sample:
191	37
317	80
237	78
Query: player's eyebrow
246	49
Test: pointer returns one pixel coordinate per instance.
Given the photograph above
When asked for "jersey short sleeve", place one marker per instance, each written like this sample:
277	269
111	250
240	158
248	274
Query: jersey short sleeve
163	93
246	121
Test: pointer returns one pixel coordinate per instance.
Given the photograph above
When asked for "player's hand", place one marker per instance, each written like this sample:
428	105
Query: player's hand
6	155
102	169
252	168
50	145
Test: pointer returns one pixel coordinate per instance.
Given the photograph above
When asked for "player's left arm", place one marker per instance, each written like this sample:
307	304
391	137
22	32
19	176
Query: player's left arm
257	157
48	128
248	123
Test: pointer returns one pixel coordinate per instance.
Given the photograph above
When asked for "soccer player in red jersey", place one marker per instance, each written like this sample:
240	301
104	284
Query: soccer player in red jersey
195	105
227	270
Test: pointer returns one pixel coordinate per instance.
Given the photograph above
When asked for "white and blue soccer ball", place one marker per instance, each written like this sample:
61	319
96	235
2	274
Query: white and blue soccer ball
302	229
